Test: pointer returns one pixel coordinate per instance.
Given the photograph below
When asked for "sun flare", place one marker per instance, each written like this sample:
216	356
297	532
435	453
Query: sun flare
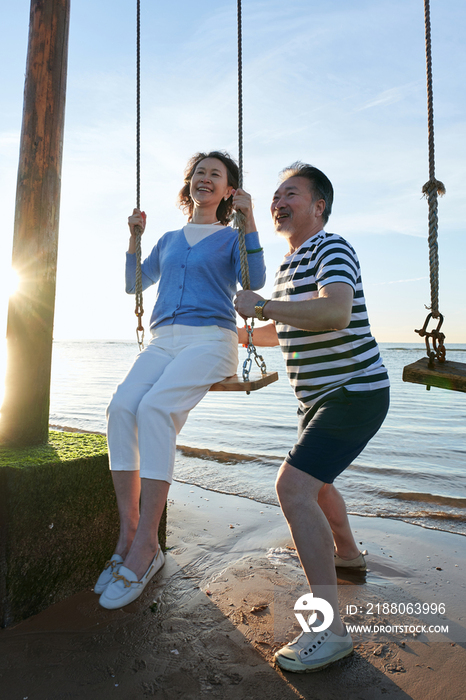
2	369
9	283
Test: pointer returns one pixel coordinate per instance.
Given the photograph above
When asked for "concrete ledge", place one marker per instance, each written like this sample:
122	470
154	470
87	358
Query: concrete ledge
58	522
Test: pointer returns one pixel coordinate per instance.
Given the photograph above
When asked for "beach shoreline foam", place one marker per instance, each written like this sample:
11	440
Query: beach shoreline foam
209	623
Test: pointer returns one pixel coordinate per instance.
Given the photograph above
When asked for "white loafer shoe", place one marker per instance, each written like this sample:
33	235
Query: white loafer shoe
125	587
107	574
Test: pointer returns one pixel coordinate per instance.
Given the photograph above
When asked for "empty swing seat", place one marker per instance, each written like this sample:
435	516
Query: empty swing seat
444	375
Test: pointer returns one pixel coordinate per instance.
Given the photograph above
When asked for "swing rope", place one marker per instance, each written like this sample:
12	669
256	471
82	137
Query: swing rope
239	218
433	187
431	190
139	310
441	374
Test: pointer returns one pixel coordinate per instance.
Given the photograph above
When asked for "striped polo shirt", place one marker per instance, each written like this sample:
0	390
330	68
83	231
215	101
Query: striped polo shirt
320	362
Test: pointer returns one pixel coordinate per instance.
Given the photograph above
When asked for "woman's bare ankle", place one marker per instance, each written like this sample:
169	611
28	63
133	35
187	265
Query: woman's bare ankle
348	554
140	557
125	542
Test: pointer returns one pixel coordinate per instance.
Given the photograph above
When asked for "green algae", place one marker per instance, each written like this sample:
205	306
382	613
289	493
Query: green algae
61	447
58	521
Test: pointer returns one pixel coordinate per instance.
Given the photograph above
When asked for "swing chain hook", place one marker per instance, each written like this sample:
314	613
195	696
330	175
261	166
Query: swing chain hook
140	335
252	354
438	352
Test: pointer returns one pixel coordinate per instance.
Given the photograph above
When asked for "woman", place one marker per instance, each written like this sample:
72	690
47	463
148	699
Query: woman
194	344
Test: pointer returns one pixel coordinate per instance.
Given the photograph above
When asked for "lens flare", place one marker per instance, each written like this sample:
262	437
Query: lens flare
2	369
10	283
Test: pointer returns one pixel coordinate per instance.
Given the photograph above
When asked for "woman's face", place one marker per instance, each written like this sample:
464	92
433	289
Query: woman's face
209	183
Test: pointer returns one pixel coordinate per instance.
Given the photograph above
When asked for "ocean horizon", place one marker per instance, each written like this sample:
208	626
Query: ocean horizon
412	470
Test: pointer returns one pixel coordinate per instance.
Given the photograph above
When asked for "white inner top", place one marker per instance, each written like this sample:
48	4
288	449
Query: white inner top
196	232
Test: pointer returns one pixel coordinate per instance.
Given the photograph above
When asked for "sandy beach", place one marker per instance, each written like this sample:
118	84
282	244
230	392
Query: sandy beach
209	623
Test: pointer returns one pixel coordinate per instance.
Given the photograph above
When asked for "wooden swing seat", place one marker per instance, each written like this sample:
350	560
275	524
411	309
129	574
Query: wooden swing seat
444	375
235	383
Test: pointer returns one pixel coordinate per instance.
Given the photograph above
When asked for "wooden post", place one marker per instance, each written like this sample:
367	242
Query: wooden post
25	411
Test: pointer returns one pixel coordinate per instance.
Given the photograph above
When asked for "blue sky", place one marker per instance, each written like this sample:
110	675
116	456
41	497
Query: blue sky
338	84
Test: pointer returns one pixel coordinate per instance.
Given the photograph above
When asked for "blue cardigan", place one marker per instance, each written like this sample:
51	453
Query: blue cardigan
197	283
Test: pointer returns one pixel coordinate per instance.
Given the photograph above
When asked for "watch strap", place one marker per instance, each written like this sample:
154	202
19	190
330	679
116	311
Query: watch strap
259	309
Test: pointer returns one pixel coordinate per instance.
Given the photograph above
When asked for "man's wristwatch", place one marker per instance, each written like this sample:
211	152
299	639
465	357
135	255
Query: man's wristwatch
259	309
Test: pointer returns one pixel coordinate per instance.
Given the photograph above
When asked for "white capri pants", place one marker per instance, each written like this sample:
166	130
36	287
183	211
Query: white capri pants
168	378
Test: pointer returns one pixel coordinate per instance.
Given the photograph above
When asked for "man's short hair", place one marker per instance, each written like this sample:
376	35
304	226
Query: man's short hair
320	185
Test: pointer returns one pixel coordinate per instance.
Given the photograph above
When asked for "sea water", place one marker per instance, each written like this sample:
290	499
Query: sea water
413	469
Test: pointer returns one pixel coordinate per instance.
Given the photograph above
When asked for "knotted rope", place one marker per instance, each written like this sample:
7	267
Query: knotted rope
433	188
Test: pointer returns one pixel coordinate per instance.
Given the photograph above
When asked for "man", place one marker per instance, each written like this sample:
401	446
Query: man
333	364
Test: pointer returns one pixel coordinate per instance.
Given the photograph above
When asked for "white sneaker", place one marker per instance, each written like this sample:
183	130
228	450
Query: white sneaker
125	586
357	564
312	651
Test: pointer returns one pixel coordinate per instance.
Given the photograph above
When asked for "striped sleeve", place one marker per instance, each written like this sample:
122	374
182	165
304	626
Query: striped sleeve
337	262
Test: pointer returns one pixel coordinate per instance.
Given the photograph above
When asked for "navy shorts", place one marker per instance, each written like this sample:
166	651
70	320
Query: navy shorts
336	430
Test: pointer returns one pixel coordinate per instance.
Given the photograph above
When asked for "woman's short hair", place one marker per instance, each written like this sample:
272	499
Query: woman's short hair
225	208
320	185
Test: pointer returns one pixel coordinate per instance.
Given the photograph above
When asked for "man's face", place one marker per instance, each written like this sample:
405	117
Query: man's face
293	210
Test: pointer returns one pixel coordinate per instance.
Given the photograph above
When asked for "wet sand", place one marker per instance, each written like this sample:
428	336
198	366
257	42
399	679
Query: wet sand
210	621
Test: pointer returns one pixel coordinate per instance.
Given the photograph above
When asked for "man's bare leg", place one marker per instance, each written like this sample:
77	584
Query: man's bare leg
298	494
331	502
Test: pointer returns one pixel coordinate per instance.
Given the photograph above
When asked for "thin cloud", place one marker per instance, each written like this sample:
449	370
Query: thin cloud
413	279
387	97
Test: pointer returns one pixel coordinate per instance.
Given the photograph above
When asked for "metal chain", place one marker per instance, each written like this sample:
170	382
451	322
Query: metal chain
252	355
139	310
